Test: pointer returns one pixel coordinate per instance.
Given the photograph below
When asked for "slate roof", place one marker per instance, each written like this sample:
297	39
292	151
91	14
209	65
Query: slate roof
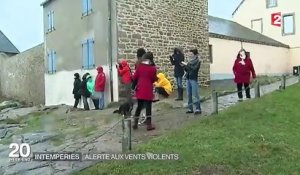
6	46
226	29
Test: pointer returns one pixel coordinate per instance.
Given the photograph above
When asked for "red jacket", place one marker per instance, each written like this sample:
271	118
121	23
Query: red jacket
242	72
100	80
124	72
145	75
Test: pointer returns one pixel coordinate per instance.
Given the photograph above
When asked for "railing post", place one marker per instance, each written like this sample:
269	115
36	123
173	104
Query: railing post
257	89
126	140
283	82
214	97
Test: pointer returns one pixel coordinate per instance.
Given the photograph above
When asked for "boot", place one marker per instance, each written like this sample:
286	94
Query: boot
135	124
180	94
150	127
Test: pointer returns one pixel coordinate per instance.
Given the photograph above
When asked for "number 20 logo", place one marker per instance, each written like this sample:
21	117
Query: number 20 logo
22	150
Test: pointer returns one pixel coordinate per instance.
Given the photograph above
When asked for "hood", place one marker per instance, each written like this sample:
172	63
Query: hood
76	75
84	77
89	77
100	69
161	76
124	63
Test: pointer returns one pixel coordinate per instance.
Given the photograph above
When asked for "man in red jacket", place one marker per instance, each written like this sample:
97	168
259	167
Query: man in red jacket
125	74
100	86
243	70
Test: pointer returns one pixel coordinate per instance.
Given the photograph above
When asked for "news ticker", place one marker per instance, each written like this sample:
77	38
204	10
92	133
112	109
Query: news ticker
39	156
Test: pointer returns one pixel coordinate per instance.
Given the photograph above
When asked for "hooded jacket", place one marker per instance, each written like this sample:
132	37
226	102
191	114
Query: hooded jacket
100	80
83	87
163	82
192	68
76	86
124	72
175	60
90	84
145	76
243	69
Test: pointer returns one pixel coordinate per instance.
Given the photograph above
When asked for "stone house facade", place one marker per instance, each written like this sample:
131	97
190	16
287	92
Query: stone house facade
117	28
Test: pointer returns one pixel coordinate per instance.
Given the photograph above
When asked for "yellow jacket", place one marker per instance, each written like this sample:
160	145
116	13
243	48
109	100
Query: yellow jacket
163	82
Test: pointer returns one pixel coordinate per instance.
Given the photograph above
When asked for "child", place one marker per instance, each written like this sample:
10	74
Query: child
84	91
100	87
145	75
163	86
76	88
125	74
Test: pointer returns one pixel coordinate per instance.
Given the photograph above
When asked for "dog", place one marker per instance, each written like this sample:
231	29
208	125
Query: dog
125	109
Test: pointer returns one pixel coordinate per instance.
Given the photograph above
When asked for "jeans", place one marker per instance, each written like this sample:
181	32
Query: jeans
101	101
85	103
193	95
240	90
179	82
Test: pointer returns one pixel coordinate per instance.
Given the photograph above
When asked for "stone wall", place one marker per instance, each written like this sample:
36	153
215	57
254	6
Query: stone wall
161	25
22	76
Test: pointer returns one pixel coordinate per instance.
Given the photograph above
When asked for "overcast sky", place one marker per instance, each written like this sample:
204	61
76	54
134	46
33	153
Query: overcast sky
22	20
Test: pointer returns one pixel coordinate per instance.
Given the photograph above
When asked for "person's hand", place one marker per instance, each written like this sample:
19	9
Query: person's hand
183	63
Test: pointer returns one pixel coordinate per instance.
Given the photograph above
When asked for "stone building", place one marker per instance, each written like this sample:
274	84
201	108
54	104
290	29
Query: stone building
89	33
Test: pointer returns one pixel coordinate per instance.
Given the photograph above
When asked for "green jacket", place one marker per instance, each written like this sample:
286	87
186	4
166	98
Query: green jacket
90	84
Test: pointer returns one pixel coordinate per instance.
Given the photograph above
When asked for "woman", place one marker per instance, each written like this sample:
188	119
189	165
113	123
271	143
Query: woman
145	75
125	74
163	85
243	70
84	92
76	89
192	87
175	60
100	87
90	86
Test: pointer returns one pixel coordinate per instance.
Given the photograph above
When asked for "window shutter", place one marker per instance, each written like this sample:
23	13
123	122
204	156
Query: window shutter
85	55
53	62
52	20
91	53
89	5
84	6
49	58
49	21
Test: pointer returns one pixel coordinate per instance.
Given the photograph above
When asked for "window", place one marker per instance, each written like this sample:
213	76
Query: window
51	56
86	7
88	54
50	21
271	3
288	24
257	25
210	53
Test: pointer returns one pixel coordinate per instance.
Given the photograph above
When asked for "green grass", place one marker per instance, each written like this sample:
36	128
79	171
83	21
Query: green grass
255	137
87	131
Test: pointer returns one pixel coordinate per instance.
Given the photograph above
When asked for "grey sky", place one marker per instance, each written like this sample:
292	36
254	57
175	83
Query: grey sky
22	20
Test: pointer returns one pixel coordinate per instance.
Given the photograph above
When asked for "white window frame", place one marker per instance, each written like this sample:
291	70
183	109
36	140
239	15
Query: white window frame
294	25
260	19
268	5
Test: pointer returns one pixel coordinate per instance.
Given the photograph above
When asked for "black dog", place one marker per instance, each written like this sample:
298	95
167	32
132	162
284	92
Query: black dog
125	109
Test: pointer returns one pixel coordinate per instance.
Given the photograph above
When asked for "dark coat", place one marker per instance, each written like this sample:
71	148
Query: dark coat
175	60
76	88
192	69
242	73
83	87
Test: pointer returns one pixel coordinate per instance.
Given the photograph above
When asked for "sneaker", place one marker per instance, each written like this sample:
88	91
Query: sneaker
198	113
189	112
